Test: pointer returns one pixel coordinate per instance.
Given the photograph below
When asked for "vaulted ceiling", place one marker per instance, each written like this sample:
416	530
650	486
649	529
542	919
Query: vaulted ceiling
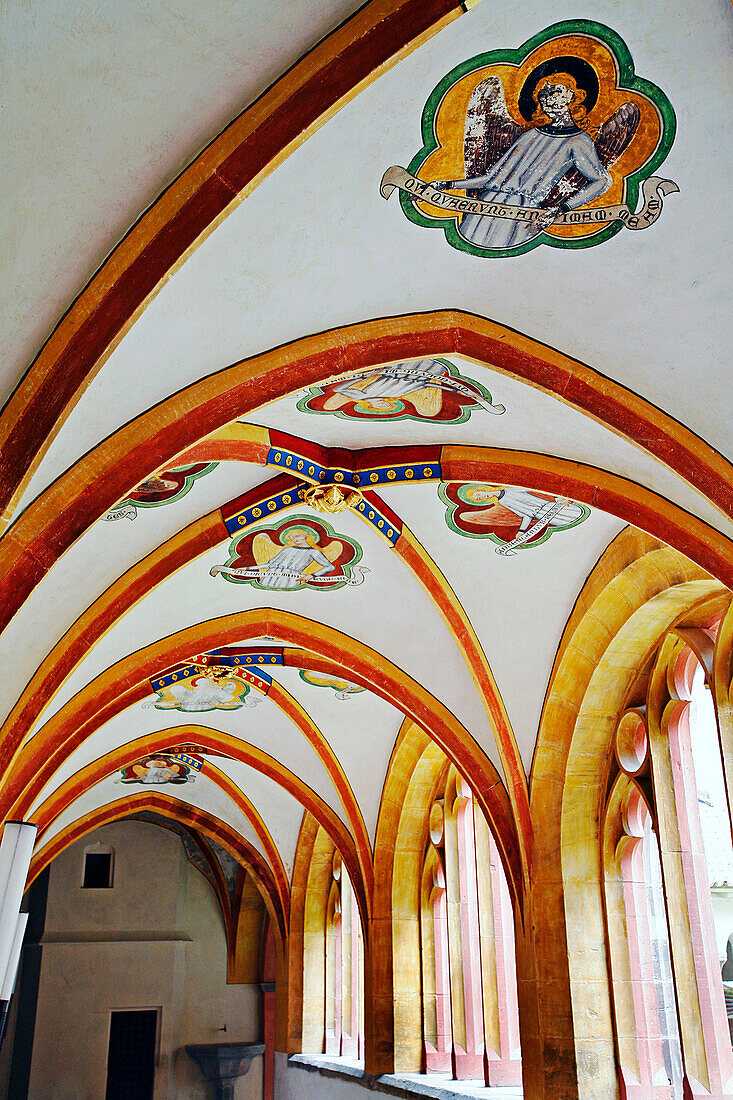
178	384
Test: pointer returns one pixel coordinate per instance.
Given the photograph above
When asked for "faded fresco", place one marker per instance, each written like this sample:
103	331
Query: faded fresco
421	389
342	688
547	144
162	489
298	553
202	693
164	768
512	517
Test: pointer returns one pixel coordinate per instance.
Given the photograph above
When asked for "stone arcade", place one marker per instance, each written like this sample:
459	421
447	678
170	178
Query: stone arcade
366	551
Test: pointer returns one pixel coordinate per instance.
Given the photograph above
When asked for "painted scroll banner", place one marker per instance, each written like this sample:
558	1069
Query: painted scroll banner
256	574
653	191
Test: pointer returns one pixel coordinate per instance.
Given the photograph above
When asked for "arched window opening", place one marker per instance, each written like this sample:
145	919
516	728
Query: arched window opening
344	1033
470	1012
668	862
333	959
709	797
646	1016
437	1031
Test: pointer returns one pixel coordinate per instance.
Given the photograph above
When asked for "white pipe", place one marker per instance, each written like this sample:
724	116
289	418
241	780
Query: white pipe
8	985
16	849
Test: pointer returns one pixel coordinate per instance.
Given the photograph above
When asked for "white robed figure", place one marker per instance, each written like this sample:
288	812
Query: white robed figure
291	565
202	694
555	164
422	380
155	771
507	504
381	389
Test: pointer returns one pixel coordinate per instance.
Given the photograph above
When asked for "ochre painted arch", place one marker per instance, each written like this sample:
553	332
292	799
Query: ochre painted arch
172	808
223	744
201	536
127	681
596	487
159	436
53	735
124	755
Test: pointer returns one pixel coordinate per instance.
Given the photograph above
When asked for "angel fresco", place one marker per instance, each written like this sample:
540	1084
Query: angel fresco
298	553
342	688
420	389
200	693
554	164
543	137
513	517
160	489
156	770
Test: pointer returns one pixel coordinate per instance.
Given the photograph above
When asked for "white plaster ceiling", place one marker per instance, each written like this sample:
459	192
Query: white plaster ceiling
387	612
103	554
265	727
647	309
103	106
203	794
517	605
281	813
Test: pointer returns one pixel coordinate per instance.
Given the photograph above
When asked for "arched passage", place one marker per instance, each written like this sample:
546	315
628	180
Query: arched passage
226	745
600	489
64	796
127	681
177	811
292	709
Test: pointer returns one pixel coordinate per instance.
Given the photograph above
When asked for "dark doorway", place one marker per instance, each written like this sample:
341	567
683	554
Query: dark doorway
131	1058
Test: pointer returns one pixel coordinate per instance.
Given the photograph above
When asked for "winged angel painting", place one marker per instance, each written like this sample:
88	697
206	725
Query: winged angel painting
512	517
554	164
544	136
300	552
420	389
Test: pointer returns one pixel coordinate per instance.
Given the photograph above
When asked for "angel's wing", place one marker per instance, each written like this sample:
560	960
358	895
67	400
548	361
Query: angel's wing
489	130
333	550
610	142
263	548
616	133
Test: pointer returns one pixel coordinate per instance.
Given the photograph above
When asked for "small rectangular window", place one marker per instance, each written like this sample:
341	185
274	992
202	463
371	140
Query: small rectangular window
97	871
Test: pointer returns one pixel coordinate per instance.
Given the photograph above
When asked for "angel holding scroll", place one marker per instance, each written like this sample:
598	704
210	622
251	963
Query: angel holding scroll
291	565
555	164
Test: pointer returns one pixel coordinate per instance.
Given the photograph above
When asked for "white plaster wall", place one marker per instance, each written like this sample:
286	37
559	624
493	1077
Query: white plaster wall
154	941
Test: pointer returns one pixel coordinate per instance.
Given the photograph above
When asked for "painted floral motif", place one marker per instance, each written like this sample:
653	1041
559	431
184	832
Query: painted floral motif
422	389
162	489
512	517
547	144
300	552
343	688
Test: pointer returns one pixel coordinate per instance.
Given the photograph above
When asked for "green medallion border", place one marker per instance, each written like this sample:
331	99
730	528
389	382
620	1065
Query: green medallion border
451	507
627	79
